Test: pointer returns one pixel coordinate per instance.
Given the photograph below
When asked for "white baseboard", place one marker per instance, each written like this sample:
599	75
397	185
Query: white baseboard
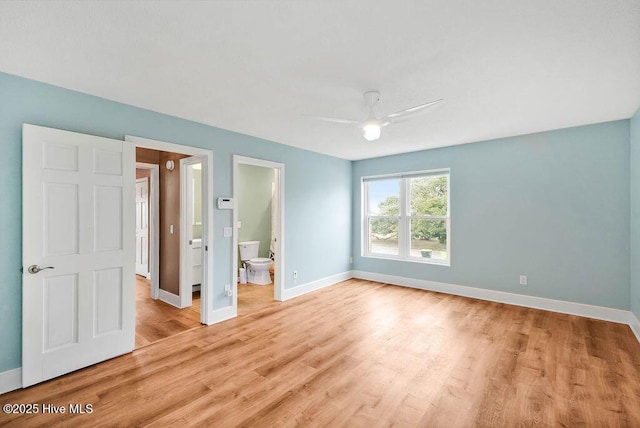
290	293
580	309
10	380
634	323
170	298
222	314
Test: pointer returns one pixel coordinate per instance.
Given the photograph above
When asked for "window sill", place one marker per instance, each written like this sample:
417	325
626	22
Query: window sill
426	261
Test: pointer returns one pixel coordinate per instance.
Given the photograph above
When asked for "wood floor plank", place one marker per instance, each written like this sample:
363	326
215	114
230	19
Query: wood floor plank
157	320
361	353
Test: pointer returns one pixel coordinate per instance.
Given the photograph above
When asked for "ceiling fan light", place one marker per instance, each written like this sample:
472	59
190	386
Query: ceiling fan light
371	131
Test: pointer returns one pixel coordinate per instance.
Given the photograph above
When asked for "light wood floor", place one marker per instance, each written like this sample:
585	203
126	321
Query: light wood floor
156	320
364	354
252	297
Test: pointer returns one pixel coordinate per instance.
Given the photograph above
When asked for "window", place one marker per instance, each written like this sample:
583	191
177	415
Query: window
407	217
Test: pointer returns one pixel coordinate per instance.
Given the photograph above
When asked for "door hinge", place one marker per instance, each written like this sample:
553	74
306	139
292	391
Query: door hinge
206	248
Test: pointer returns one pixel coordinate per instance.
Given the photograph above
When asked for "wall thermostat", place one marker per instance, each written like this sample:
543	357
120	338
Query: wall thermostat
225	203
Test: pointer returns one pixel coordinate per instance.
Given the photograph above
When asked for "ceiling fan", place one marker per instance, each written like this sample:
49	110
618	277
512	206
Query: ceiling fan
371	126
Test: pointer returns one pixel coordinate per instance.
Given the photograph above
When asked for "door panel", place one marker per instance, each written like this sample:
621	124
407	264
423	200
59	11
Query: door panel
61	157
107	300
78	215
108	218
60	311
108	163
61	211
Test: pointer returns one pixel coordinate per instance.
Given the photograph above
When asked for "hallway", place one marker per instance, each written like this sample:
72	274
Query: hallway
156	320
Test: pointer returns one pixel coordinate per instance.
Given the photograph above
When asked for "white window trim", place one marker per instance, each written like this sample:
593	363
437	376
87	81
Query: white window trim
404	231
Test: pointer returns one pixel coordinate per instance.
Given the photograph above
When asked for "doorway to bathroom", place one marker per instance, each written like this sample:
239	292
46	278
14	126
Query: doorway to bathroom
258	218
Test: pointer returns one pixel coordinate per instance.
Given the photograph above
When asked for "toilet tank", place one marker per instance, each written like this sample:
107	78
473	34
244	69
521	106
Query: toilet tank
249	249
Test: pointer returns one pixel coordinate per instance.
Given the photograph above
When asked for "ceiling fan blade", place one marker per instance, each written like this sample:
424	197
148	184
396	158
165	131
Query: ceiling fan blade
411	110
333	119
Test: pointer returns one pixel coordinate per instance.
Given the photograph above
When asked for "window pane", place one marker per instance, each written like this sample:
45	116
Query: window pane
383	236
384	197
429	195
429	239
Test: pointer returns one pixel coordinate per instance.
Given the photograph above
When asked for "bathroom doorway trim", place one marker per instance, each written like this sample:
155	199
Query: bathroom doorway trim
278	278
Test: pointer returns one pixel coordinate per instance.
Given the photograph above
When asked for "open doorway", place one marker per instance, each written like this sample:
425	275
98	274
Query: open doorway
258	189
163	307
174	219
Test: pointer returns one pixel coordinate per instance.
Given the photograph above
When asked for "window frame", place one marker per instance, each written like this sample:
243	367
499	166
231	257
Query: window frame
405	217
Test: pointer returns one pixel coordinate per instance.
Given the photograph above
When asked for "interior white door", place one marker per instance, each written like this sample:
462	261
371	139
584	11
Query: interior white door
78	219
142	226
188	272
194	215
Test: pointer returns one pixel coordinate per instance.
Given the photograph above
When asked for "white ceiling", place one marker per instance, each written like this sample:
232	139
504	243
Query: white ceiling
505	67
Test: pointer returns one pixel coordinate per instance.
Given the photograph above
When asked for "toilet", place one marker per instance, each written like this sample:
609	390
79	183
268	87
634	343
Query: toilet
257	267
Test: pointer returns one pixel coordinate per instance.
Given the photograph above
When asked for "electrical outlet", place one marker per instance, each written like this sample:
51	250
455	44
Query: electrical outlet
295	274
227	232
523	279
227	290
350	260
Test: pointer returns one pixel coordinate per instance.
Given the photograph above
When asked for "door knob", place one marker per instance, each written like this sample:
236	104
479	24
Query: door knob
36	268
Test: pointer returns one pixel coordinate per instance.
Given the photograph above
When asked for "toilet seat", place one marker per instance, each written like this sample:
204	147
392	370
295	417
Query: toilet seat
260	260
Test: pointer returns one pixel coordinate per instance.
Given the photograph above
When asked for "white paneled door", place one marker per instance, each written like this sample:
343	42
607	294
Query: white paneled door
77	251
142	226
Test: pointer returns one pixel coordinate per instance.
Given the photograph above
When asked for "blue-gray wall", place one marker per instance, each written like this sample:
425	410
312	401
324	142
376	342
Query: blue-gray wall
254	205
553	206
317	188
557	206
635	213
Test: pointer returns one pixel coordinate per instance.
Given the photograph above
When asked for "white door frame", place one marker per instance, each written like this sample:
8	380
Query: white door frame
278	276
186	283
154	226
206	290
